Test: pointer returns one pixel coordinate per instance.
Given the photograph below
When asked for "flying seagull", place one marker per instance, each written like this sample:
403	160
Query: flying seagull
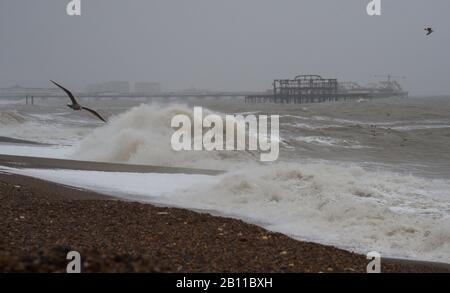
75	106
429	30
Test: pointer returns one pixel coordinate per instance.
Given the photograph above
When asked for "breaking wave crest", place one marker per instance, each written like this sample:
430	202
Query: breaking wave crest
11	118
43	128
142	135
347	206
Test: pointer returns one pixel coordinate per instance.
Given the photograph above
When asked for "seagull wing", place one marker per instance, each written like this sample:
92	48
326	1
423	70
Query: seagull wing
72	98
94	112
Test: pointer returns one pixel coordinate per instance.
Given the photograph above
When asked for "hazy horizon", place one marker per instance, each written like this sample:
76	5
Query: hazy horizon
224	45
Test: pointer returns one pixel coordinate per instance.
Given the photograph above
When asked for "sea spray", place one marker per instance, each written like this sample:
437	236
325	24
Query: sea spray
343	205
233	133
142	135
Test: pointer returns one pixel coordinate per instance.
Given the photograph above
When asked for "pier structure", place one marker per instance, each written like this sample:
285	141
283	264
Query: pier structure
301	89
304	89
29	100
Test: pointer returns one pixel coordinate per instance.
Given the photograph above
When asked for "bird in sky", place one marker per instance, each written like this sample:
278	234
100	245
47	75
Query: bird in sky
75	105
429	30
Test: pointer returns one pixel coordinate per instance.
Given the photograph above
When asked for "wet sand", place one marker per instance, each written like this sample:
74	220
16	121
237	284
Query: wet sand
5	139
47	163
41	221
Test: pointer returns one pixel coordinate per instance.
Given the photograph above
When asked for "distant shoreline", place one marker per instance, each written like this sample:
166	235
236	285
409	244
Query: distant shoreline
41	221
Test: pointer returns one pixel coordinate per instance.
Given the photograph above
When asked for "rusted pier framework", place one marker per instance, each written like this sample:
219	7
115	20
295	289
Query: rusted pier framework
303	89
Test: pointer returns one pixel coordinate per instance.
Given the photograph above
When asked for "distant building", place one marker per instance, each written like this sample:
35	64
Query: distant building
94	88
147	87
110	87
194	90
120	87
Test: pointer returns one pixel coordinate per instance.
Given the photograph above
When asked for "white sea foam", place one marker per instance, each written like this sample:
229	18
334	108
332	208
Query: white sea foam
310	126
136	186
420	127
56	152
11	118
142	135
347	206
45	128
329	141
397	215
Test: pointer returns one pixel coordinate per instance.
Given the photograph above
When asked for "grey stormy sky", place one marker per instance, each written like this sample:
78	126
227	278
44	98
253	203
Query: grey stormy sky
223	44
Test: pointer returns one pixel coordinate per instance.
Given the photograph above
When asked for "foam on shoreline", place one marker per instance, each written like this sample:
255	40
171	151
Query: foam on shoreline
348	207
